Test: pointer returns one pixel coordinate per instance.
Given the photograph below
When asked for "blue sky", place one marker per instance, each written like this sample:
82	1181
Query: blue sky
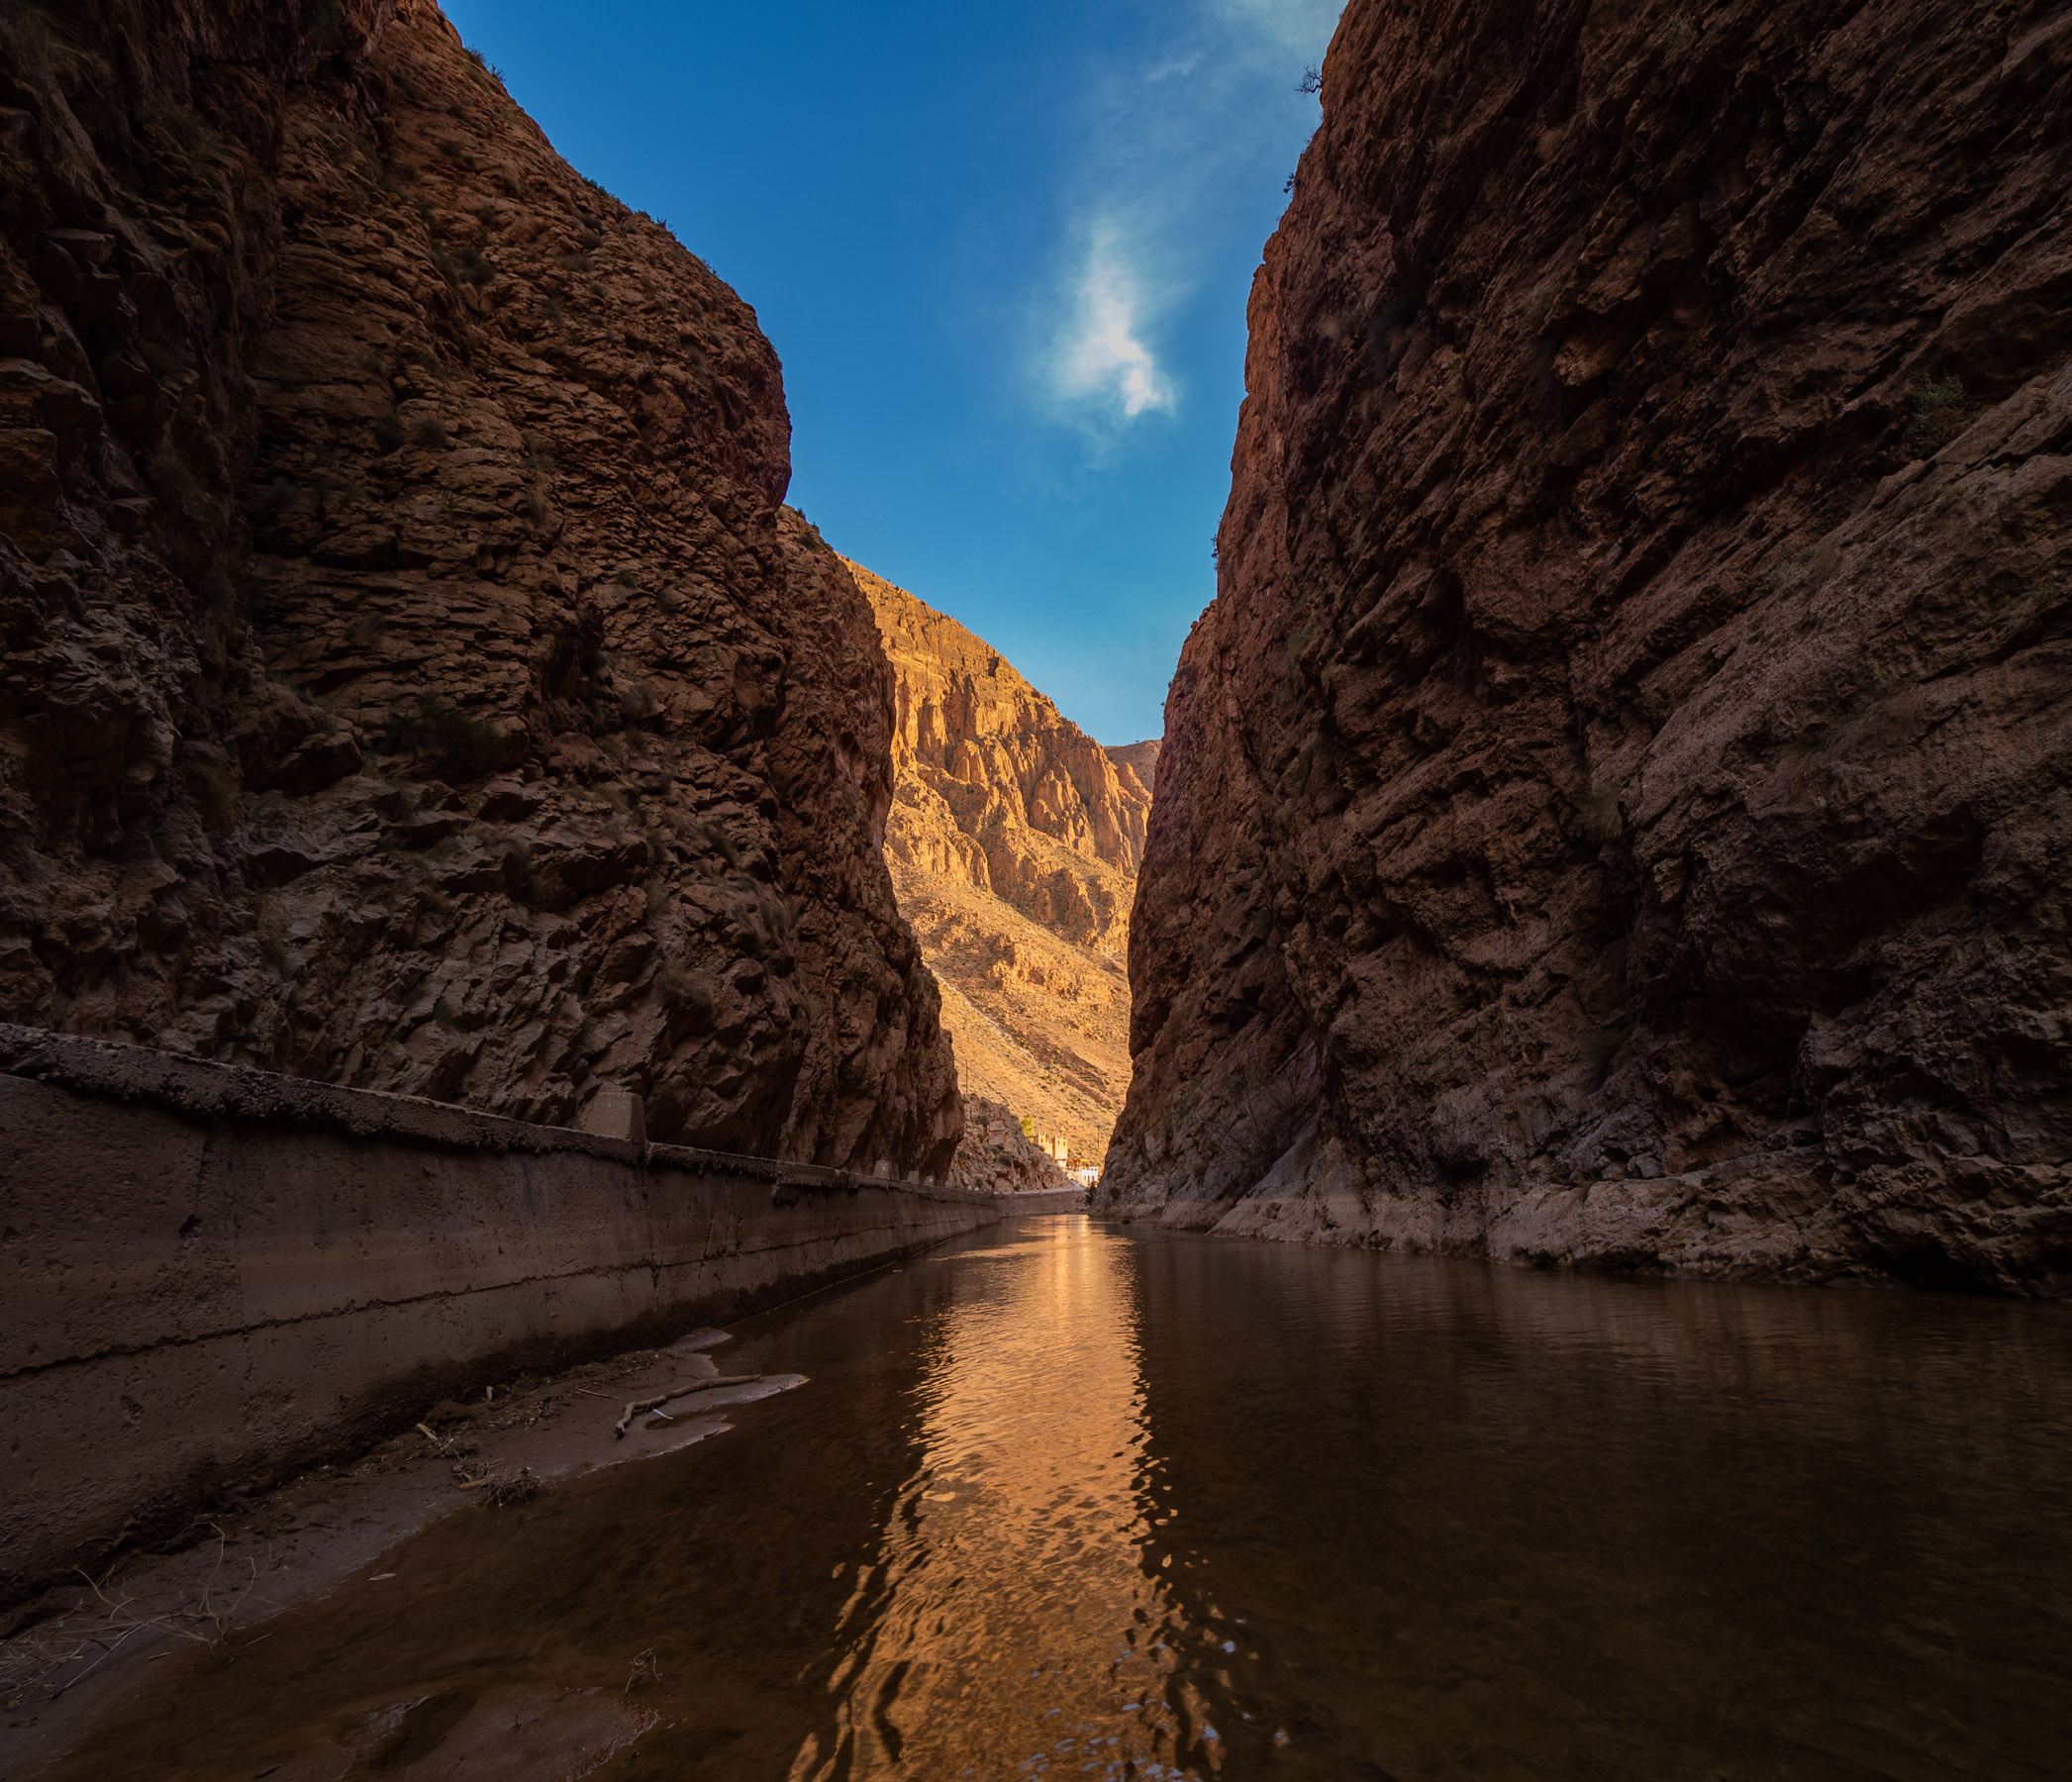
1003	251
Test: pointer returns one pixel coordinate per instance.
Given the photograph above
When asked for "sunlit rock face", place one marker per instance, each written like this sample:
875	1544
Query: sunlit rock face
995	1156
410	677
1617	809
1014	842
1141	759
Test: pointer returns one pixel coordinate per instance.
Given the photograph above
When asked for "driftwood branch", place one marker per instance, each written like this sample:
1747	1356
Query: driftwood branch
637	1405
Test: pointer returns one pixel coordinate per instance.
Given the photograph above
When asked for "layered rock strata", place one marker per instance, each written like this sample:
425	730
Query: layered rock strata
1014	842
1618	808
409	677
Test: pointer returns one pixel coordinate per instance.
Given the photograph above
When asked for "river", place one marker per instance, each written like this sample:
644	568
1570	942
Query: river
1071	1500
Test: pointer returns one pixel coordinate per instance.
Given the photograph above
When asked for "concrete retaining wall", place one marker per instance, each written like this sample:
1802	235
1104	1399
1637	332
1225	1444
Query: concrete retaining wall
212	1276
1045	1200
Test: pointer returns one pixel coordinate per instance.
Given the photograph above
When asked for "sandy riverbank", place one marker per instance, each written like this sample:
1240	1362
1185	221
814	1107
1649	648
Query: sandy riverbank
74	1651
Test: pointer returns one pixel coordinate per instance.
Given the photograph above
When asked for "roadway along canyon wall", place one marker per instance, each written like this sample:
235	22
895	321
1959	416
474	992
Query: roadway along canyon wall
215	1277
409	677
1014	844
1618	810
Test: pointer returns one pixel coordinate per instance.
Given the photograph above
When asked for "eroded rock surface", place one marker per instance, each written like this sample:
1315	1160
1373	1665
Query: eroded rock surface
1014	844
408	676
1618	808
1141	759
996	1157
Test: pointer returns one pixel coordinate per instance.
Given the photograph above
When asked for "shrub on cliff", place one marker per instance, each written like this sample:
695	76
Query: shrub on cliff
435	728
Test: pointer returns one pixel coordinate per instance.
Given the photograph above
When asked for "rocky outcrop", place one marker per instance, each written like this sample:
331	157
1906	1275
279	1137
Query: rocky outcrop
1141	759
1618	808
411	679
1013	841
997	1157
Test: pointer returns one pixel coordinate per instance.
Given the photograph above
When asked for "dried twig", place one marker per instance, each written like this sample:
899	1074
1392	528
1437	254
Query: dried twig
101	1623
637	1405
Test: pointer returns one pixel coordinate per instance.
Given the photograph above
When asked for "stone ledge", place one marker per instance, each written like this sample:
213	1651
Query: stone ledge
203	1089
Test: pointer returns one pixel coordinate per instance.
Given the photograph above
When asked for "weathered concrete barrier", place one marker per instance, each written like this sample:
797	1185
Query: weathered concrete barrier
213	1277
1045	1200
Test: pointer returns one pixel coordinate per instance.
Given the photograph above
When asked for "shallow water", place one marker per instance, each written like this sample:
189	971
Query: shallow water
1078	1500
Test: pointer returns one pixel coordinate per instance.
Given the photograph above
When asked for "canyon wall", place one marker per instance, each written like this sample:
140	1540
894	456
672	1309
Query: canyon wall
1618	810
1014	844
409	677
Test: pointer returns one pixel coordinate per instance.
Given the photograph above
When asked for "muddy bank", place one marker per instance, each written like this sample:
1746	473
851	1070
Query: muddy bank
219	1278
72	1650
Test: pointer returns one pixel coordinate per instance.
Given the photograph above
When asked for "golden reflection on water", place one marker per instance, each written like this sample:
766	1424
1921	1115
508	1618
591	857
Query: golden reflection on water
1007	1624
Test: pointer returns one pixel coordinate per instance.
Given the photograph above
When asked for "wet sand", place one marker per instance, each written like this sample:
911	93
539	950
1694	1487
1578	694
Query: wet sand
77	1648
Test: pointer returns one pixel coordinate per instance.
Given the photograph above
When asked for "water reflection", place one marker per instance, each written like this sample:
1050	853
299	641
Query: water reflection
1488	1524
1009	1622
1083	1502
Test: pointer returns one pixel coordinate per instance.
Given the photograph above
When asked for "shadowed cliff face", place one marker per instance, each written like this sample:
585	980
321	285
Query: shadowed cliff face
410	678
1013	841
1619	807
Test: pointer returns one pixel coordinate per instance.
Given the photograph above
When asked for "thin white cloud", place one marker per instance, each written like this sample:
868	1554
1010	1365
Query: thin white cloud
1301	24
1163	142
1102	357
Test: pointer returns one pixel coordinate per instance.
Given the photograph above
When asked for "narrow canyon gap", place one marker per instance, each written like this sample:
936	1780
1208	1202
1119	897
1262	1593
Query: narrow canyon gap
1012	842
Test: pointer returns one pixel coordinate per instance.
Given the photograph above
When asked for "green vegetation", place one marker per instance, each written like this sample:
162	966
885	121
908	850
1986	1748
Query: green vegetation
1937	413
443	732
615	202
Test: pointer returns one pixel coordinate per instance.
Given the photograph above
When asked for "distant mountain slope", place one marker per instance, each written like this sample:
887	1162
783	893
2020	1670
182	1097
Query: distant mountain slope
1141	758
1013	841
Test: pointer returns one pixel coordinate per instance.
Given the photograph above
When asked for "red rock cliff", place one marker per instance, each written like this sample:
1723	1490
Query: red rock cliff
1619	807
410	678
